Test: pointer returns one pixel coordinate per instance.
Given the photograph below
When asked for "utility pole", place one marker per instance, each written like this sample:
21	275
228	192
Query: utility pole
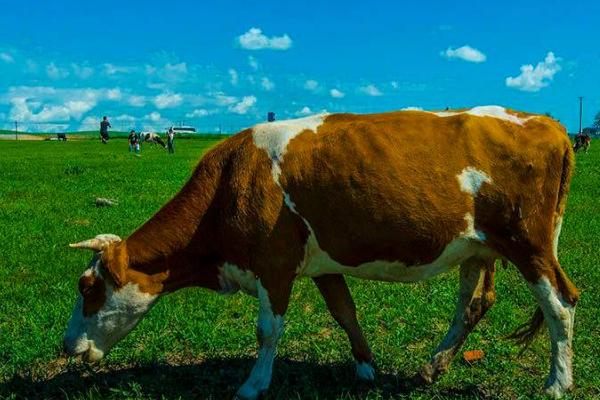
580	113
16	130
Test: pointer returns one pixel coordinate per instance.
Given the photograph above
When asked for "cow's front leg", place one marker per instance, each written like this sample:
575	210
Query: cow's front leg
477	295
269	328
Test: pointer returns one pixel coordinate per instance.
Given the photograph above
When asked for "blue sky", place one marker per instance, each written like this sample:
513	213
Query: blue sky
225	64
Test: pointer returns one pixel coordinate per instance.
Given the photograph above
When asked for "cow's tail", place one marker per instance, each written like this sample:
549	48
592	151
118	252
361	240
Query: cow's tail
525	333
565	180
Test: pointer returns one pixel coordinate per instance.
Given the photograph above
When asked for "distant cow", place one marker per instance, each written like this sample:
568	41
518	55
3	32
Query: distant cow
582	141
152	138
61	136
400	197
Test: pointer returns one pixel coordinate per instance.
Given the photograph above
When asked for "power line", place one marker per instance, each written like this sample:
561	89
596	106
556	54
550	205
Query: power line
580	113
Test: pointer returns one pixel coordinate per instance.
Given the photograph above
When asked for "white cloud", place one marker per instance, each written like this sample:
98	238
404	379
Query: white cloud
254	39
178	69
82	71
267	84
221	99
157	86
533	79
49	104
55	72
171	73
113	94
168	100
79	107
136	101
34	111
111	69
466	53
244	105
304	111
311	85
253	63
198	113
335	93
233	77
7	58
89	123
370	90
153	116
411	108
125	117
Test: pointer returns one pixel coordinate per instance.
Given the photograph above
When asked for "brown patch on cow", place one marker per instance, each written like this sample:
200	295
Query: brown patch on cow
93	291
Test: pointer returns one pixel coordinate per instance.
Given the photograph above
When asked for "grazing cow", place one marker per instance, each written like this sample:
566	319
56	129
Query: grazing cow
399	196
152	138
582	141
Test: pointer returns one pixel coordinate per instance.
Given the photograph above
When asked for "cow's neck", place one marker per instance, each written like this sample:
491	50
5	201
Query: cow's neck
170	244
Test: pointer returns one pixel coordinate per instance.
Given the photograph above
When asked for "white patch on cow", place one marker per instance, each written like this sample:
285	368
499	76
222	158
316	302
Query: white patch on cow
317	262
273	137
557	228
288	202
365	371
559	316
96	334
471	179
487	111
269	330
232	279
470	232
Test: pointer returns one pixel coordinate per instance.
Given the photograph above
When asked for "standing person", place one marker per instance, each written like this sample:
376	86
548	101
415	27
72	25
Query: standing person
134	142
170	139
104	125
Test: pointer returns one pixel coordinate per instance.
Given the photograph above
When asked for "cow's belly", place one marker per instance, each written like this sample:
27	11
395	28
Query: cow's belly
317	262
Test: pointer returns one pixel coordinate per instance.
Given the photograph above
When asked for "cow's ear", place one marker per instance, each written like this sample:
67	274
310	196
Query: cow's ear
116	261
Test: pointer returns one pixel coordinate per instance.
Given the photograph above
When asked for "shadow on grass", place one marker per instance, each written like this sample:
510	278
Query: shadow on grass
217	378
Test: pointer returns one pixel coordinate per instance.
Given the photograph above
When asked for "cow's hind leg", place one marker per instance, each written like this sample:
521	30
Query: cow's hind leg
269	328
556	296
476	296
341	306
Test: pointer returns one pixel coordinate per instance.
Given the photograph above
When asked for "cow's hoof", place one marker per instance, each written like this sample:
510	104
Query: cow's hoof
365	371
556	390
247	392
426	376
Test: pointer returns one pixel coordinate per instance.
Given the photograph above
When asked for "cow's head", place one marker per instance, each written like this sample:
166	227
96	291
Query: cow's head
112	299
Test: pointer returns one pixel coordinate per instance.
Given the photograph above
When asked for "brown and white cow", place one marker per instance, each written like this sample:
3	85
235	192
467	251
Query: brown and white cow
398	196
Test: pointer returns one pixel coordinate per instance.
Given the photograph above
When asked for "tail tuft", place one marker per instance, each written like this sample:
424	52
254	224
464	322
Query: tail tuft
525	333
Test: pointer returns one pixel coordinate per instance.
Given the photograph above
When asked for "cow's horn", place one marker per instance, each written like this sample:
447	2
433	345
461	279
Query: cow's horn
99	243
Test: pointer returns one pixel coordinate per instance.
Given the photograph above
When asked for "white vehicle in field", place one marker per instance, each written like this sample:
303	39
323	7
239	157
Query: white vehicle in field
183	129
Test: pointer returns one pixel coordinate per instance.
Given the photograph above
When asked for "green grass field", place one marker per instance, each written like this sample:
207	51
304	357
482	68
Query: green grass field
197	344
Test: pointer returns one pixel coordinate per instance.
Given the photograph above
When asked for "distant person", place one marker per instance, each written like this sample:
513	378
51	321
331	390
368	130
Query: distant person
134	142
104	125
170	140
